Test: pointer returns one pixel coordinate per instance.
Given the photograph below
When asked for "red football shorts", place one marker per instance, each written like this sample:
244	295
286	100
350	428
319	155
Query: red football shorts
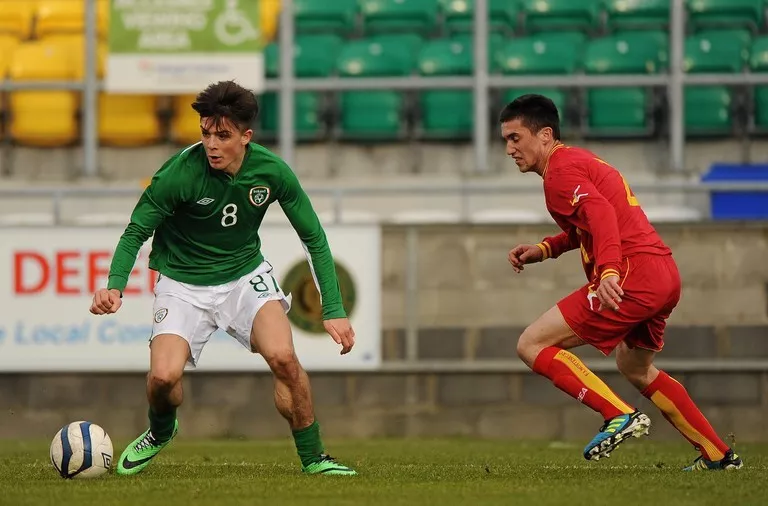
651	285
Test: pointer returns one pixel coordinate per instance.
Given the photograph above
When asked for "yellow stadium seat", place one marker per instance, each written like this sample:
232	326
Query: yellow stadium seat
43	118
185	125
269	15
8	44
68	16
128	120
16	17
74	45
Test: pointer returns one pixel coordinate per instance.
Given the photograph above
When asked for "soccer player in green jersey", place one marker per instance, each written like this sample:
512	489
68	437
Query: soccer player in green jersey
204	207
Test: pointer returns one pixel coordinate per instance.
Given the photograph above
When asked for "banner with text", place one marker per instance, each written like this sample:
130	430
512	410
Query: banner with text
48	277
182	46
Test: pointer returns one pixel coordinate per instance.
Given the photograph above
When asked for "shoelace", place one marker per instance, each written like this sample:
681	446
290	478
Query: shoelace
146	442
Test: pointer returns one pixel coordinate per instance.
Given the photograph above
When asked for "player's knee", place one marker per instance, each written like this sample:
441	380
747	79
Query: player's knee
284	365
163	381
527	348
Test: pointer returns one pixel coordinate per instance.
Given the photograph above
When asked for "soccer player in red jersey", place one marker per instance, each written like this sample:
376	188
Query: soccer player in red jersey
632	287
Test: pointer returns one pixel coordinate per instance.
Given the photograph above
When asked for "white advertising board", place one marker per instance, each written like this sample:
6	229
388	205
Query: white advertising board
48	276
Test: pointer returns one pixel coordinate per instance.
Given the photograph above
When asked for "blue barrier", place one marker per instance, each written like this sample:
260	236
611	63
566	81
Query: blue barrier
733	205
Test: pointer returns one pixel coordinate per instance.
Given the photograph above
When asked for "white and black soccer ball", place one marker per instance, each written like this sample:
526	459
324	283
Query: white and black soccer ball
81	450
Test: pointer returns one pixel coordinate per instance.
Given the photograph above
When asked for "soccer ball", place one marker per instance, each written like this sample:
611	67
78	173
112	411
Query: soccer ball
81	450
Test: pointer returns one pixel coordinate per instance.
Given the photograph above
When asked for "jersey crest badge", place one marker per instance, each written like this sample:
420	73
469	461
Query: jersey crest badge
160	315
259	195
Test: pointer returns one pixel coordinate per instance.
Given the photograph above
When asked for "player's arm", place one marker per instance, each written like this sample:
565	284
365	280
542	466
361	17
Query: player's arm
299	211
158	201
553	247
574	196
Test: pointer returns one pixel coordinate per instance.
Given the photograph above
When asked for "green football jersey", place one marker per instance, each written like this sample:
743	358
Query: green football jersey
206	223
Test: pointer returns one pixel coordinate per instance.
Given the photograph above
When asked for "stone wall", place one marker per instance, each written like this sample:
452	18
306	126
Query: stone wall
471	308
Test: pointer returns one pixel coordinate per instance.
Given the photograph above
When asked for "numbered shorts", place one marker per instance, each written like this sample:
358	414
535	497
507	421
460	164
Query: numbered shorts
195	312
651	285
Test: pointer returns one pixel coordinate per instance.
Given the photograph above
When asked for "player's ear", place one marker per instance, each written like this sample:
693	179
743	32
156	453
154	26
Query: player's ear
246	137
545	134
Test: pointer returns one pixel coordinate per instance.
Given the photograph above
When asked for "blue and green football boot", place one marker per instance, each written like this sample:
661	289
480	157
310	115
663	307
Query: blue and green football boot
141	451
614	432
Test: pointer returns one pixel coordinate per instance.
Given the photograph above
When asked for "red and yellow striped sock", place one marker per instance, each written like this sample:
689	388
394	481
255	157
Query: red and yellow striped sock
571	376
679	409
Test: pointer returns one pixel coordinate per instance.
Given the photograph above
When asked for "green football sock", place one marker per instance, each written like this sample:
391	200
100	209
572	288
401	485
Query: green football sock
308	443
161	425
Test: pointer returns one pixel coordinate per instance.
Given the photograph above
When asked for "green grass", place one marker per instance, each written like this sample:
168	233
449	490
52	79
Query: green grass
392	472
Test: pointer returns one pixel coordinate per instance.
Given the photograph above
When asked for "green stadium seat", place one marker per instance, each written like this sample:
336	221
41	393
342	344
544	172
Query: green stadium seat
634	14
717	51
558	96
337	16
382	55
707	110
375	114
546	15
723	13
449	113
459	15
314	56
624	53
380	16
545	53
758	62
371	115
307	111
621	111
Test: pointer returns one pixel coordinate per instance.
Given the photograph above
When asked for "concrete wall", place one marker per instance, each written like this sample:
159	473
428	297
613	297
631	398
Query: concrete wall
471	309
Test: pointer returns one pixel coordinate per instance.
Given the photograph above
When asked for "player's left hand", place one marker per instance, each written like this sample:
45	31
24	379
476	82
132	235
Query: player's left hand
342	333
609	293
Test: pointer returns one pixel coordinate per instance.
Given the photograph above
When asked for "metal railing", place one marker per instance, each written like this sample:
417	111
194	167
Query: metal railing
481	83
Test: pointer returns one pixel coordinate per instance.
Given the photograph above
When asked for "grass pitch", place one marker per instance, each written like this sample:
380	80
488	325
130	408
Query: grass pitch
392	472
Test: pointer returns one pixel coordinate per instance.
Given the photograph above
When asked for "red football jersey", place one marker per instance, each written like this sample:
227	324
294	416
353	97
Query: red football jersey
597	211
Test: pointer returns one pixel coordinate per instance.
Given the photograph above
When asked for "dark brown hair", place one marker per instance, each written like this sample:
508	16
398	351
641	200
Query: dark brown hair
227	100
535	112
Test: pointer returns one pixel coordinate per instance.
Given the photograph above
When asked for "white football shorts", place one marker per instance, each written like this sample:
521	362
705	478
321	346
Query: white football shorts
195	312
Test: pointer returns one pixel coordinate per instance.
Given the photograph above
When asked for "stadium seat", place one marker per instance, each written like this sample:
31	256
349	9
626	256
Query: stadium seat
68	16
449	113
724	13
717	51
307	110
313	55
128	120
545	53
547	15
16	18
459	15
758	62
382	16
634	14
375	114
185	122
269	17
36	61
321	16
621	111
708	110
8	44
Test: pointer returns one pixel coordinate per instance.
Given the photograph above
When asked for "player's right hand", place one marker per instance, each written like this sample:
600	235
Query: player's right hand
106	301
524	254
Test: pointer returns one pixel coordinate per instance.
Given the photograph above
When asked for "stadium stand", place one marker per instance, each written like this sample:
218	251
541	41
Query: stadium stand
378	38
